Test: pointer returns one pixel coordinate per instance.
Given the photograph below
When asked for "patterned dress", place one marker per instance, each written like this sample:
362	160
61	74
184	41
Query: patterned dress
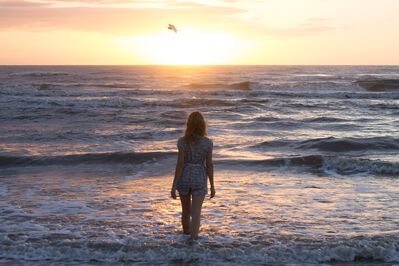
194	176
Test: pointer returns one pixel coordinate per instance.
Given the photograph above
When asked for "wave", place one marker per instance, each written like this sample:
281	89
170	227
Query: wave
268	118
378	84
86	158
82	102
301	93
322	119
321	75
116	85
119	157
312	161
252	97
348	166
325	119
61	85
246	85
176	118
342	165
319	86
82	90
332	144
192	102
39	73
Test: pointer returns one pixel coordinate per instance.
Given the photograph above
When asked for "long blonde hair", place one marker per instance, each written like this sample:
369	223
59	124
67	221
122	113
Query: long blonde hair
195	127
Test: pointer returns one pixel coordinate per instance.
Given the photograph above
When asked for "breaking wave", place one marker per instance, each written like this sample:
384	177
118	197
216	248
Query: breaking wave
332	144
342	165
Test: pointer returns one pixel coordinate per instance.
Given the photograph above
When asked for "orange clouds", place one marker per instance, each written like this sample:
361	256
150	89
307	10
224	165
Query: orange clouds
112	20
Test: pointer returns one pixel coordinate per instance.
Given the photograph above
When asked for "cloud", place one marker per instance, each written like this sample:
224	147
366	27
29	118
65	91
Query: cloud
12	4
309	27
298	31
107	16
114	20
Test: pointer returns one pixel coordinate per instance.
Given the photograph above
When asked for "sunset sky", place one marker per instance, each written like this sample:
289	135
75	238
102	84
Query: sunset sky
211	32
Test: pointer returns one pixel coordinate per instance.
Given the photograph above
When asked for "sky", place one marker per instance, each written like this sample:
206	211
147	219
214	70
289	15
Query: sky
216	32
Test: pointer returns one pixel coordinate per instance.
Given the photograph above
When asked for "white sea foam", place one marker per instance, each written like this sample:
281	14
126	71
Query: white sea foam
65	207
284	219
279	254
345	166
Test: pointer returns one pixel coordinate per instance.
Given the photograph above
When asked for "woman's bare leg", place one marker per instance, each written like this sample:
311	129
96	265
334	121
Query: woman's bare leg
185	215
196	206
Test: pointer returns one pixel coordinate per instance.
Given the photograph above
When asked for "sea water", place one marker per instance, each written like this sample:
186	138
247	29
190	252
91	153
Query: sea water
306	164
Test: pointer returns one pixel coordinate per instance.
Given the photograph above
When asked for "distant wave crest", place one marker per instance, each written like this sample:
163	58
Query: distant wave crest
378	84
246	85
39	73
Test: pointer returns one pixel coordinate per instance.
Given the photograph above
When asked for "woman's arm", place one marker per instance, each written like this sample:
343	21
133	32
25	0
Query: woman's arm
209	171
178	172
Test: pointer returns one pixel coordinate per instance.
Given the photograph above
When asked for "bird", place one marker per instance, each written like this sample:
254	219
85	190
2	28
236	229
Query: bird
172	27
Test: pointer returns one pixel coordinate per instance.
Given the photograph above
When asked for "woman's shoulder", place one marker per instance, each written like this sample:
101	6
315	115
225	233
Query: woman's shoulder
208	141
181	142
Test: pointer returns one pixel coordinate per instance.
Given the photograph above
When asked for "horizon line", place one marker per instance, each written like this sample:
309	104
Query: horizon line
204	65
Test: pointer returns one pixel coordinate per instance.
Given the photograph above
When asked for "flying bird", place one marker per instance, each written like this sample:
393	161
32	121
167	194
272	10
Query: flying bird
172	27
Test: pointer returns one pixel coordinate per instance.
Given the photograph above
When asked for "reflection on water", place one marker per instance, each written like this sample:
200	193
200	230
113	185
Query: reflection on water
256	217
306	164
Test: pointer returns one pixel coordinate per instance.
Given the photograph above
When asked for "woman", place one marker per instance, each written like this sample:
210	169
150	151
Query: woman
194	165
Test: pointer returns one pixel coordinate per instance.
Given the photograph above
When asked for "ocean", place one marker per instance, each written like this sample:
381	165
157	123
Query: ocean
306	164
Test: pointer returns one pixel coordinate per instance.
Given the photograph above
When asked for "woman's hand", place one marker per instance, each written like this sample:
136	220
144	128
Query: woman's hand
173	193
213	192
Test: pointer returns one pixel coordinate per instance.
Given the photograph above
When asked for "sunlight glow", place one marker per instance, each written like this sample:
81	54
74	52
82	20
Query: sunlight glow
187	47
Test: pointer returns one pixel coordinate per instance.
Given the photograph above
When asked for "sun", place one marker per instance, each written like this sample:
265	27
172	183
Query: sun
187	47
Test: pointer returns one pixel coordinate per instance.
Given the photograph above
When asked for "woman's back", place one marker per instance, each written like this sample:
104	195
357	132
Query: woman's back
195	153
